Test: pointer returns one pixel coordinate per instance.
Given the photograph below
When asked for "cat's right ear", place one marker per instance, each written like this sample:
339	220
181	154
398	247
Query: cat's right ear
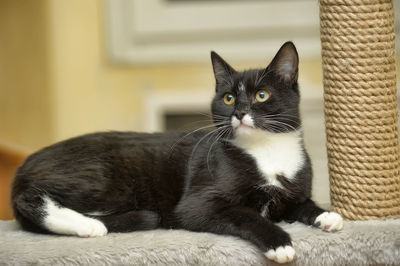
222	70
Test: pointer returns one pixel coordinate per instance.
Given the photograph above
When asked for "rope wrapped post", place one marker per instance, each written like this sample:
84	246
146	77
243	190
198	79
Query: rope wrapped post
358	60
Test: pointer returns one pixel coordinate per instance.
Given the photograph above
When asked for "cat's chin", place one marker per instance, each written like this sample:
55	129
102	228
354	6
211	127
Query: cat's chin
243	130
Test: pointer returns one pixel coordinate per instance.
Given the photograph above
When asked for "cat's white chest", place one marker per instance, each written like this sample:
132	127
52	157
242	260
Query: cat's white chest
275	153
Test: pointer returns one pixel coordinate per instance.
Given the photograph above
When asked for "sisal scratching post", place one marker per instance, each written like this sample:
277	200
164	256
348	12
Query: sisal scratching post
358	59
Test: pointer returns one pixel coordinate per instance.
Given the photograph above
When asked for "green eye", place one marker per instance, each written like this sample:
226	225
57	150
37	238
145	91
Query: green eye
229	99
262	95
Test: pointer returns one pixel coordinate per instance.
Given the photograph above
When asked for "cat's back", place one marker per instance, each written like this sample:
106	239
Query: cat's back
107	148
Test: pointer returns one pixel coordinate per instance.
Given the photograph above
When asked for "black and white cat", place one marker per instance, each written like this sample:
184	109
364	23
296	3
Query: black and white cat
238	179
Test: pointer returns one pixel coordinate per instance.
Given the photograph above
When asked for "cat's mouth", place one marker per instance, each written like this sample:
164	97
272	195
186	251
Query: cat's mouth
244	125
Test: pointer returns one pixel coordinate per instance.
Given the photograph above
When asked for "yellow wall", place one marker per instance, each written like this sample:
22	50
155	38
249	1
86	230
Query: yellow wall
56	81
25	105
74	59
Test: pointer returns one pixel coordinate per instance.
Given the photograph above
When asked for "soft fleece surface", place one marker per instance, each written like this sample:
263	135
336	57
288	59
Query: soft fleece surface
359	243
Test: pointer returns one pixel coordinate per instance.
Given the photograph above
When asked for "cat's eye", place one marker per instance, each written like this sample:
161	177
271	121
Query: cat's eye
229	99
262	95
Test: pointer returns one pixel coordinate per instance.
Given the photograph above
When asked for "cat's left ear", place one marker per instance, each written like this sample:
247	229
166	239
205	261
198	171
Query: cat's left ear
285	63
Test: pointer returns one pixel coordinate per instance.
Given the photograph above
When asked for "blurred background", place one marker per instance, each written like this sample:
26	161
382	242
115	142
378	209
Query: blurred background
74	67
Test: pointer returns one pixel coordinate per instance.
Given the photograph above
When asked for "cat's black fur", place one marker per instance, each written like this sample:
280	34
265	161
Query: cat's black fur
200	181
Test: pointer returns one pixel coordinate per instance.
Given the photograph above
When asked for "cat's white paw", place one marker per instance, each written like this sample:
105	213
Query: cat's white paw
329	221
281	254
91	228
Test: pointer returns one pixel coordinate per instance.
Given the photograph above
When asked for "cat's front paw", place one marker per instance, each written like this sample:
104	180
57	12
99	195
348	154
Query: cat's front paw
282	254
329	221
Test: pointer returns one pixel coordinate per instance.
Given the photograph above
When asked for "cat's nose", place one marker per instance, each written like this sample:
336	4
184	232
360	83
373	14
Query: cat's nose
240	114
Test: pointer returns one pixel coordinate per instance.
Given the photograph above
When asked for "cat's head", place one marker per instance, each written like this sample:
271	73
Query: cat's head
258	99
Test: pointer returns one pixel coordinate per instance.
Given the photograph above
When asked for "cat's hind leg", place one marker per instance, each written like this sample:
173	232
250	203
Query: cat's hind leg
60	220
41	214
131	221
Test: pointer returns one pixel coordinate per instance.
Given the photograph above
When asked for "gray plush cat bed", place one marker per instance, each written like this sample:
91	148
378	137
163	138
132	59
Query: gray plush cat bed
359	243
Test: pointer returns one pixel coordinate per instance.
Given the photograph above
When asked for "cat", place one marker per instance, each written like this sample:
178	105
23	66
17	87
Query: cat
251	171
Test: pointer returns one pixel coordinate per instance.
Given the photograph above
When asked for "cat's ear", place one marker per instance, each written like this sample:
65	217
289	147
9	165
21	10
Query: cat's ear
285	63
222	70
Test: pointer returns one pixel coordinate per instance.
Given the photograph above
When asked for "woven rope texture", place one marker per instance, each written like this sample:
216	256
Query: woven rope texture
358	59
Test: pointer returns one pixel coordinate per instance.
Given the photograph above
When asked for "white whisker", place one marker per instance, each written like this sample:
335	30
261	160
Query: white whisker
205	136
196	130
219	135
